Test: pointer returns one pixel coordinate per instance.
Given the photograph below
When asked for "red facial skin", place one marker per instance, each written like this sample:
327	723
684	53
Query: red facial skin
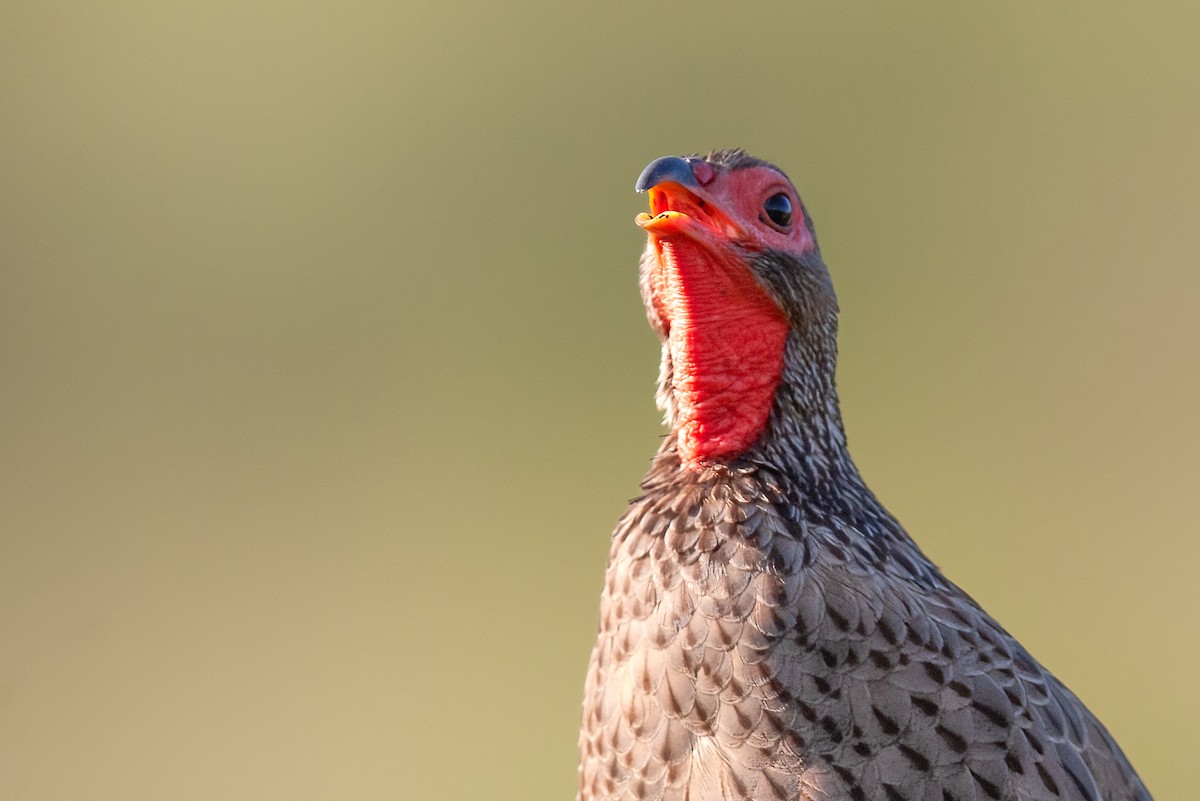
725	333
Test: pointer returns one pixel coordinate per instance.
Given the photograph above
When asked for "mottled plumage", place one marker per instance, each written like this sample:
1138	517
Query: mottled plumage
769	631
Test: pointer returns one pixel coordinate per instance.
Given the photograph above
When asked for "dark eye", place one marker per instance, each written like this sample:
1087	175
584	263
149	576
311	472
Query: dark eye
779	209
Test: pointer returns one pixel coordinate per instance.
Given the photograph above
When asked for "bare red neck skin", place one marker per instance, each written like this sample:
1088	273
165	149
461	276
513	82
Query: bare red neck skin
727	340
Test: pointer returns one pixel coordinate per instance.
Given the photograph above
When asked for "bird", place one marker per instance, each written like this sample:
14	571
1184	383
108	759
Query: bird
768	631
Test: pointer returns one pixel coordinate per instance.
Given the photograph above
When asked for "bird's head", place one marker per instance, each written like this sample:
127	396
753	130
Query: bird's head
734	284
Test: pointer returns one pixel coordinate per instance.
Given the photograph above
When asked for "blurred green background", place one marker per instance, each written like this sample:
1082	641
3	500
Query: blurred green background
324	376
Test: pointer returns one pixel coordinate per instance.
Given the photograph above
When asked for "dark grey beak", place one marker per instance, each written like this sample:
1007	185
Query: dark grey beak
668	168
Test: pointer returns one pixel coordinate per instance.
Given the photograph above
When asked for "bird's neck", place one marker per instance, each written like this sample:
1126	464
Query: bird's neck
799	465
794	424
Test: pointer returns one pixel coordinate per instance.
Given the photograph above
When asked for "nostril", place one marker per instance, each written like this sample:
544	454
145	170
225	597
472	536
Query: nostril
703	171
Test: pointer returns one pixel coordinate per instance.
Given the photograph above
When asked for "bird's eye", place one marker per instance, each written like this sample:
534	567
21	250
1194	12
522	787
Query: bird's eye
779	208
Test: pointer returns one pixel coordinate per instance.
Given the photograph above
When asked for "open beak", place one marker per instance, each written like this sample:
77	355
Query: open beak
679	205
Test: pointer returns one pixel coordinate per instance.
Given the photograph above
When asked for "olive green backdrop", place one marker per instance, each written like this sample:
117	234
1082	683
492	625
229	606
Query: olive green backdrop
323	374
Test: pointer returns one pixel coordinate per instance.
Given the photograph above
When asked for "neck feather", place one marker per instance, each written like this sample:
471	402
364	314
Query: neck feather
804	435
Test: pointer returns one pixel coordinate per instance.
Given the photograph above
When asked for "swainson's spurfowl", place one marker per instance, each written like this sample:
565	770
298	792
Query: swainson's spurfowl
767	630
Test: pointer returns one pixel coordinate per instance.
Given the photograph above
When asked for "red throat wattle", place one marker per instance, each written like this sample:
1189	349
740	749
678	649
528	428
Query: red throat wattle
727	341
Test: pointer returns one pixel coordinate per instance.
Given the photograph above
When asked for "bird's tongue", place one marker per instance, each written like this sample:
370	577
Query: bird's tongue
727	340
